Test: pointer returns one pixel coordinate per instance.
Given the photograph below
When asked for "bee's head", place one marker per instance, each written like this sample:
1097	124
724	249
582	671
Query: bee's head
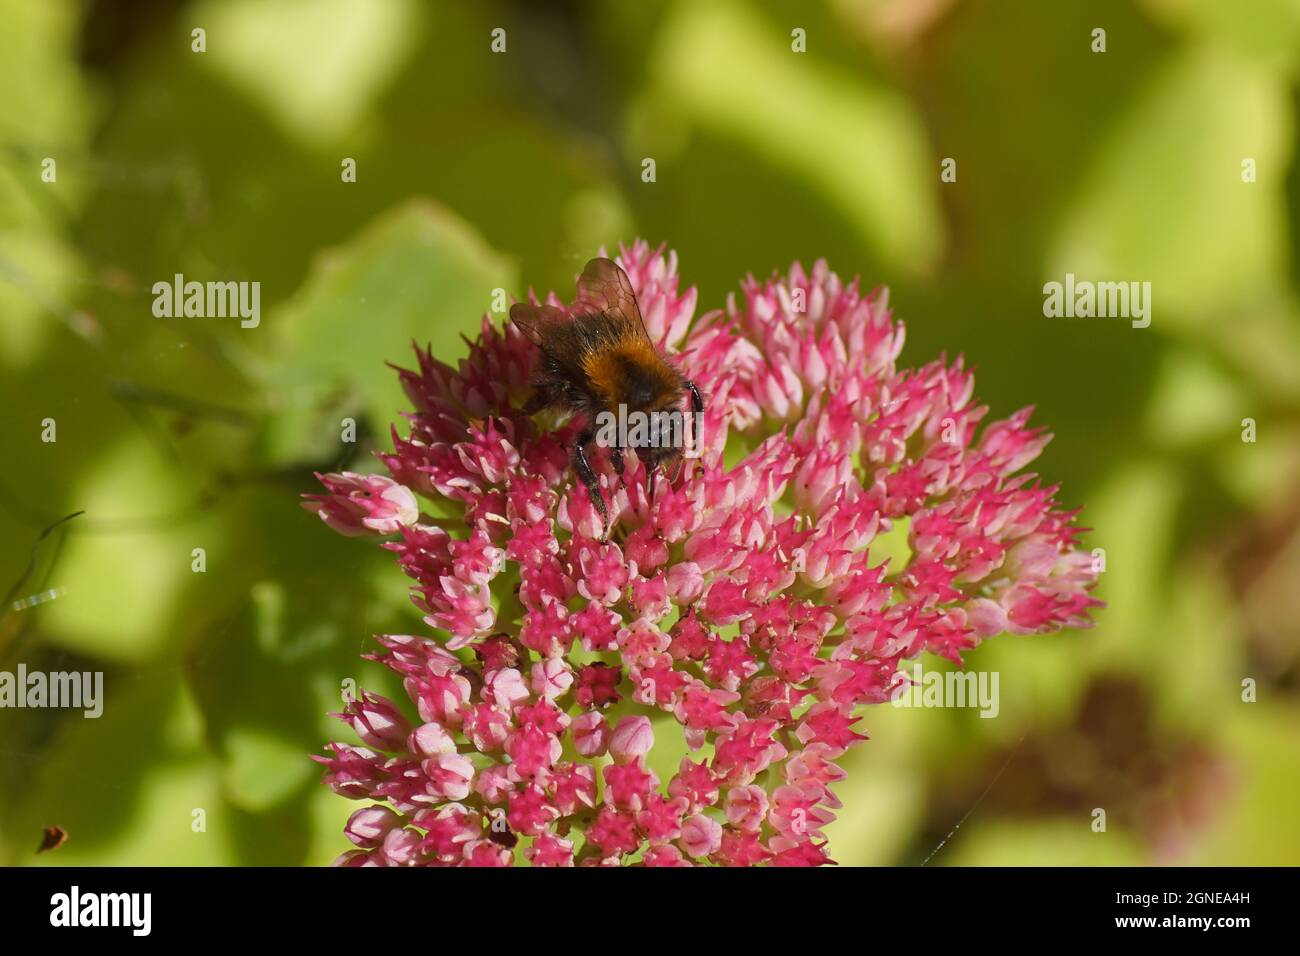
670	431
666	434
673	427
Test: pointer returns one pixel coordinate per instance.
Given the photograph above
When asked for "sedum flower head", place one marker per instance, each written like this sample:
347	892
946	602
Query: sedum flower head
845	516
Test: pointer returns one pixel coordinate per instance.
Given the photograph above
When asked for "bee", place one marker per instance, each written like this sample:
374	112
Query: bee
598	360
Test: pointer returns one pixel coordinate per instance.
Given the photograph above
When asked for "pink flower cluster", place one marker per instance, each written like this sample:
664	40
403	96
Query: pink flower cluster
745	615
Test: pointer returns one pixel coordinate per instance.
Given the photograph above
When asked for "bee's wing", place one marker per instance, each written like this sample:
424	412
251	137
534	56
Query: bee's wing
534	320
604	287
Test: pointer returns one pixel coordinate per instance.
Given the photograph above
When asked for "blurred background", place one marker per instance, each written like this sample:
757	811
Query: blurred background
477	170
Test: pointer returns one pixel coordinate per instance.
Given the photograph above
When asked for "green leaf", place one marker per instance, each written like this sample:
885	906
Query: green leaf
47	116
417	273
1254	822
127	557
1193	401
1165	202
275	51
125	786
857	143
263	768
1133	515
1270	35
1041	843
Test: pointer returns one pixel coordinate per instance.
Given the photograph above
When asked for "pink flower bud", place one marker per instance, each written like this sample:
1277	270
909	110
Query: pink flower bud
358	504
701	835
685	582
494	784
986	617
378	722
486	853
430	739
665	854
450	776
632	738
401	847
369	825
1031	560
354	859
746	807
551	678
507	687
590	734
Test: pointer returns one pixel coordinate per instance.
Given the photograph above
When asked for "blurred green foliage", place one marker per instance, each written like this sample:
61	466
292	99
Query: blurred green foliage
478	171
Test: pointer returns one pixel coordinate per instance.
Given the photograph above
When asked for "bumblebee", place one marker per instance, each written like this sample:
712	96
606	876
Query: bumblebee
598	362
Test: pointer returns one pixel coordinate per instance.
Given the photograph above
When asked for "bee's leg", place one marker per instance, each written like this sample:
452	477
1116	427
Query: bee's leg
616	461
694	432
651	471
588	477
697	400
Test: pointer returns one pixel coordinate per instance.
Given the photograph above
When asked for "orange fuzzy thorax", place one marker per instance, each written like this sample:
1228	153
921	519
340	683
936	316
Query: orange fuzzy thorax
616	372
